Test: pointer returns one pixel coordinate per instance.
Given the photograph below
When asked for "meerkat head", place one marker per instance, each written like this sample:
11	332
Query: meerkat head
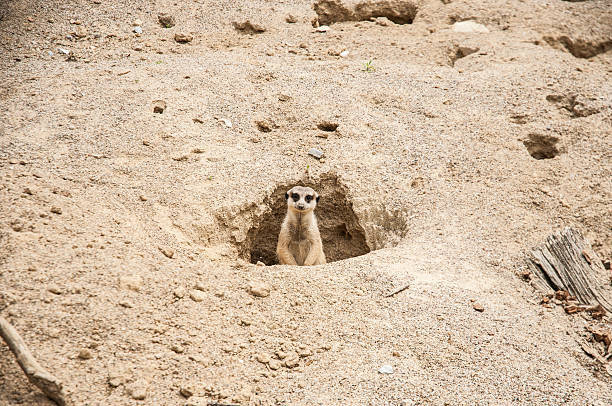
301	199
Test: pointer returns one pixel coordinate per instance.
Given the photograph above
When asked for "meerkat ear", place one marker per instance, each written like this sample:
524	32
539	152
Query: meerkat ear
286	195
318	197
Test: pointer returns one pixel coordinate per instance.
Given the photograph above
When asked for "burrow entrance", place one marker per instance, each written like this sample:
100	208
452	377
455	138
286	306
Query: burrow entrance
542	146
342	235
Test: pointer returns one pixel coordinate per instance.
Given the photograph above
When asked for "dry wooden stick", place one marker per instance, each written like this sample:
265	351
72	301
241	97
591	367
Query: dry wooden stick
36	374
396	291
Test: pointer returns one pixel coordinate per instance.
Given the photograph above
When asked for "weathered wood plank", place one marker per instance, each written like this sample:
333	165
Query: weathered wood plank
567	262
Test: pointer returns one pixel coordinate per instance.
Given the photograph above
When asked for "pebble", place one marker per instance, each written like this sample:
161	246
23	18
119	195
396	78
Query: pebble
182	38
318	154
478	307
17	225
263	358
54	289
138	391
115	379
323	28
386	369
179	293
56	210
131	282
187	390
227	122
126	304
274	364
167	252
201	286
344	54
197	296
159	106
469	26
179	349
290	19
292	361
143	198
137	22
166	20
259	289
197	401
85	354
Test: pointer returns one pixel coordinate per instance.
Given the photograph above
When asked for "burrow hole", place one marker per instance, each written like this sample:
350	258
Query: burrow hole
542	146
342	235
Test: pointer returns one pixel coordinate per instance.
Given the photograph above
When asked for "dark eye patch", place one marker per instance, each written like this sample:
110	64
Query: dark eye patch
295	197
308	198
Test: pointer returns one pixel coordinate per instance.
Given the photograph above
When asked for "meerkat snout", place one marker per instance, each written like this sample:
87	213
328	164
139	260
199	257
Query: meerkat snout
299	241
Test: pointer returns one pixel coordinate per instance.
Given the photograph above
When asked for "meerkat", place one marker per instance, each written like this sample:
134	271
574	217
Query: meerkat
299	241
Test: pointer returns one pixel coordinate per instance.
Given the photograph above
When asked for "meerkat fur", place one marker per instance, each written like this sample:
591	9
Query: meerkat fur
299	241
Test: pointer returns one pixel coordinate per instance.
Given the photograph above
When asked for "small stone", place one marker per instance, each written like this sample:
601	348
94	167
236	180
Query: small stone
292	361
259	289
143	198
248	27
227	122
17	225
606	264
56	210
323	28
264	126
469	26
115	379
201	286
197	401
137	22
126	304
179	349
80	32
137	30
167	252
187	390
243	397
183	38
138	390
179	293
478	307
290	19
259	263
220	293
318	154
344	54
263	358
159	106
131	282
166	20
54	289
386	369
395	354
85	354
304	352
274	364
197	296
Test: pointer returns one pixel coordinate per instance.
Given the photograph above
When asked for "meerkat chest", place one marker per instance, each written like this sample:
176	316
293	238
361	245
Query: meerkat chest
298	232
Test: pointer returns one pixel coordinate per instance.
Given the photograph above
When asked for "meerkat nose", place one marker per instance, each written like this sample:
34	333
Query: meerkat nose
300	206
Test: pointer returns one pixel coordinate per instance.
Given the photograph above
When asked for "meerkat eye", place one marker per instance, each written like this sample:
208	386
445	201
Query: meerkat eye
308	198
295	197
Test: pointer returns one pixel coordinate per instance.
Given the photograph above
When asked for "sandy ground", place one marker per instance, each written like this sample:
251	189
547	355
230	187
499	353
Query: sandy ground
126	234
